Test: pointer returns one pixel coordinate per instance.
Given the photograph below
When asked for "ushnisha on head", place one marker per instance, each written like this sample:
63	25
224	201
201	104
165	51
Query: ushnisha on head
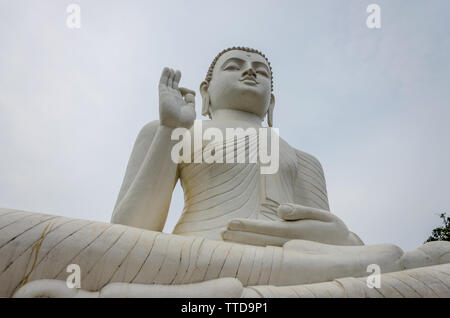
239	78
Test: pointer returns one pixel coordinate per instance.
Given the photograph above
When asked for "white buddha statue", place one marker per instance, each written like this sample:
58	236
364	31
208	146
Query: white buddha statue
233	202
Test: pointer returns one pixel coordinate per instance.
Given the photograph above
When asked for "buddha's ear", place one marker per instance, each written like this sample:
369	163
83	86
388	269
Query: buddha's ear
270	111
205	99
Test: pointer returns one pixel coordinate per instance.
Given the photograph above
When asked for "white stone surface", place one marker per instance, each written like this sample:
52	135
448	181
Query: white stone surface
40	247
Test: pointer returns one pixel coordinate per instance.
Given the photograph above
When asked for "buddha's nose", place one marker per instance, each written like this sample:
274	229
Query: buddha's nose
250	72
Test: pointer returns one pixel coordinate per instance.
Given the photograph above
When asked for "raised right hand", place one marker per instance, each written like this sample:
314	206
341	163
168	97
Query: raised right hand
176	104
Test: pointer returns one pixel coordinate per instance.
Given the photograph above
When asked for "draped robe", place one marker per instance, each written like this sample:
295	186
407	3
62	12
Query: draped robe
215	193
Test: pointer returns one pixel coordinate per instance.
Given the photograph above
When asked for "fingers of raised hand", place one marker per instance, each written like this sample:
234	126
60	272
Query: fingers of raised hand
176	79
170	80
164	77
189	99
189	95
185	91
294	212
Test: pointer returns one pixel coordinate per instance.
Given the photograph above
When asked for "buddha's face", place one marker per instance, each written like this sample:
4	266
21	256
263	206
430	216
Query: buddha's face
241	81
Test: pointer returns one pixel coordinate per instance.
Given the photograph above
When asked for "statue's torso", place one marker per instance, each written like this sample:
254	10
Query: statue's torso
218	192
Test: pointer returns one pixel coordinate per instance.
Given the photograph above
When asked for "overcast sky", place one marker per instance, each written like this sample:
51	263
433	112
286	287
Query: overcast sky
373	105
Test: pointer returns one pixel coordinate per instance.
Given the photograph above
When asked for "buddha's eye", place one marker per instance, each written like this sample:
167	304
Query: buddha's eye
262	72
231	67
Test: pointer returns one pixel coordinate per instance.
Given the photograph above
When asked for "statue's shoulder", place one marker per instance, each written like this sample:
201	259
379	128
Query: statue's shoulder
305	158
150	127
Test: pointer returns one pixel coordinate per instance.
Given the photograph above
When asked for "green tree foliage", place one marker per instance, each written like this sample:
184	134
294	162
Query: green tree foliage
441	233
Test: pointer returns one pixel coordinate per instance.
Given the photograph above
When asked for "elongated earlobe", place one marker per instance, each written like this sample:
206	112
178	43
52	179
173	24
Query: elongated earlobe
205	99
270	111
205	105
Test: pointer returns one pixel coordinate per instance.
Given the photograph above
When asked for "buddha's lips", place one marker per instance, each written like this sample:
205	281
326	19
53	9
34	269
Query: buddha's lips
249	78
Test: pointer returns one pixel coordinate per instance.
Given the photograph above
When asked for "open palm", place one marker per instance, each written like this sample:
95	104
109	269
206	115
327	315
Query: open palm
176	104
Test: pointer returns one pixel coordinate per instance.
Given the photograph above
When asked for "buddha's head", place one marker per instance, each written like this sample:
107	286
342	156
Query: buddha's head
239	78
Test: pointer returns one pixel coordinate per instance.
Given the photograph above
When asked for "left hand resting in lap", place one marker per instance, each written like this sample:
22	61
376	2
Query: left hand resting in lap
297	223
